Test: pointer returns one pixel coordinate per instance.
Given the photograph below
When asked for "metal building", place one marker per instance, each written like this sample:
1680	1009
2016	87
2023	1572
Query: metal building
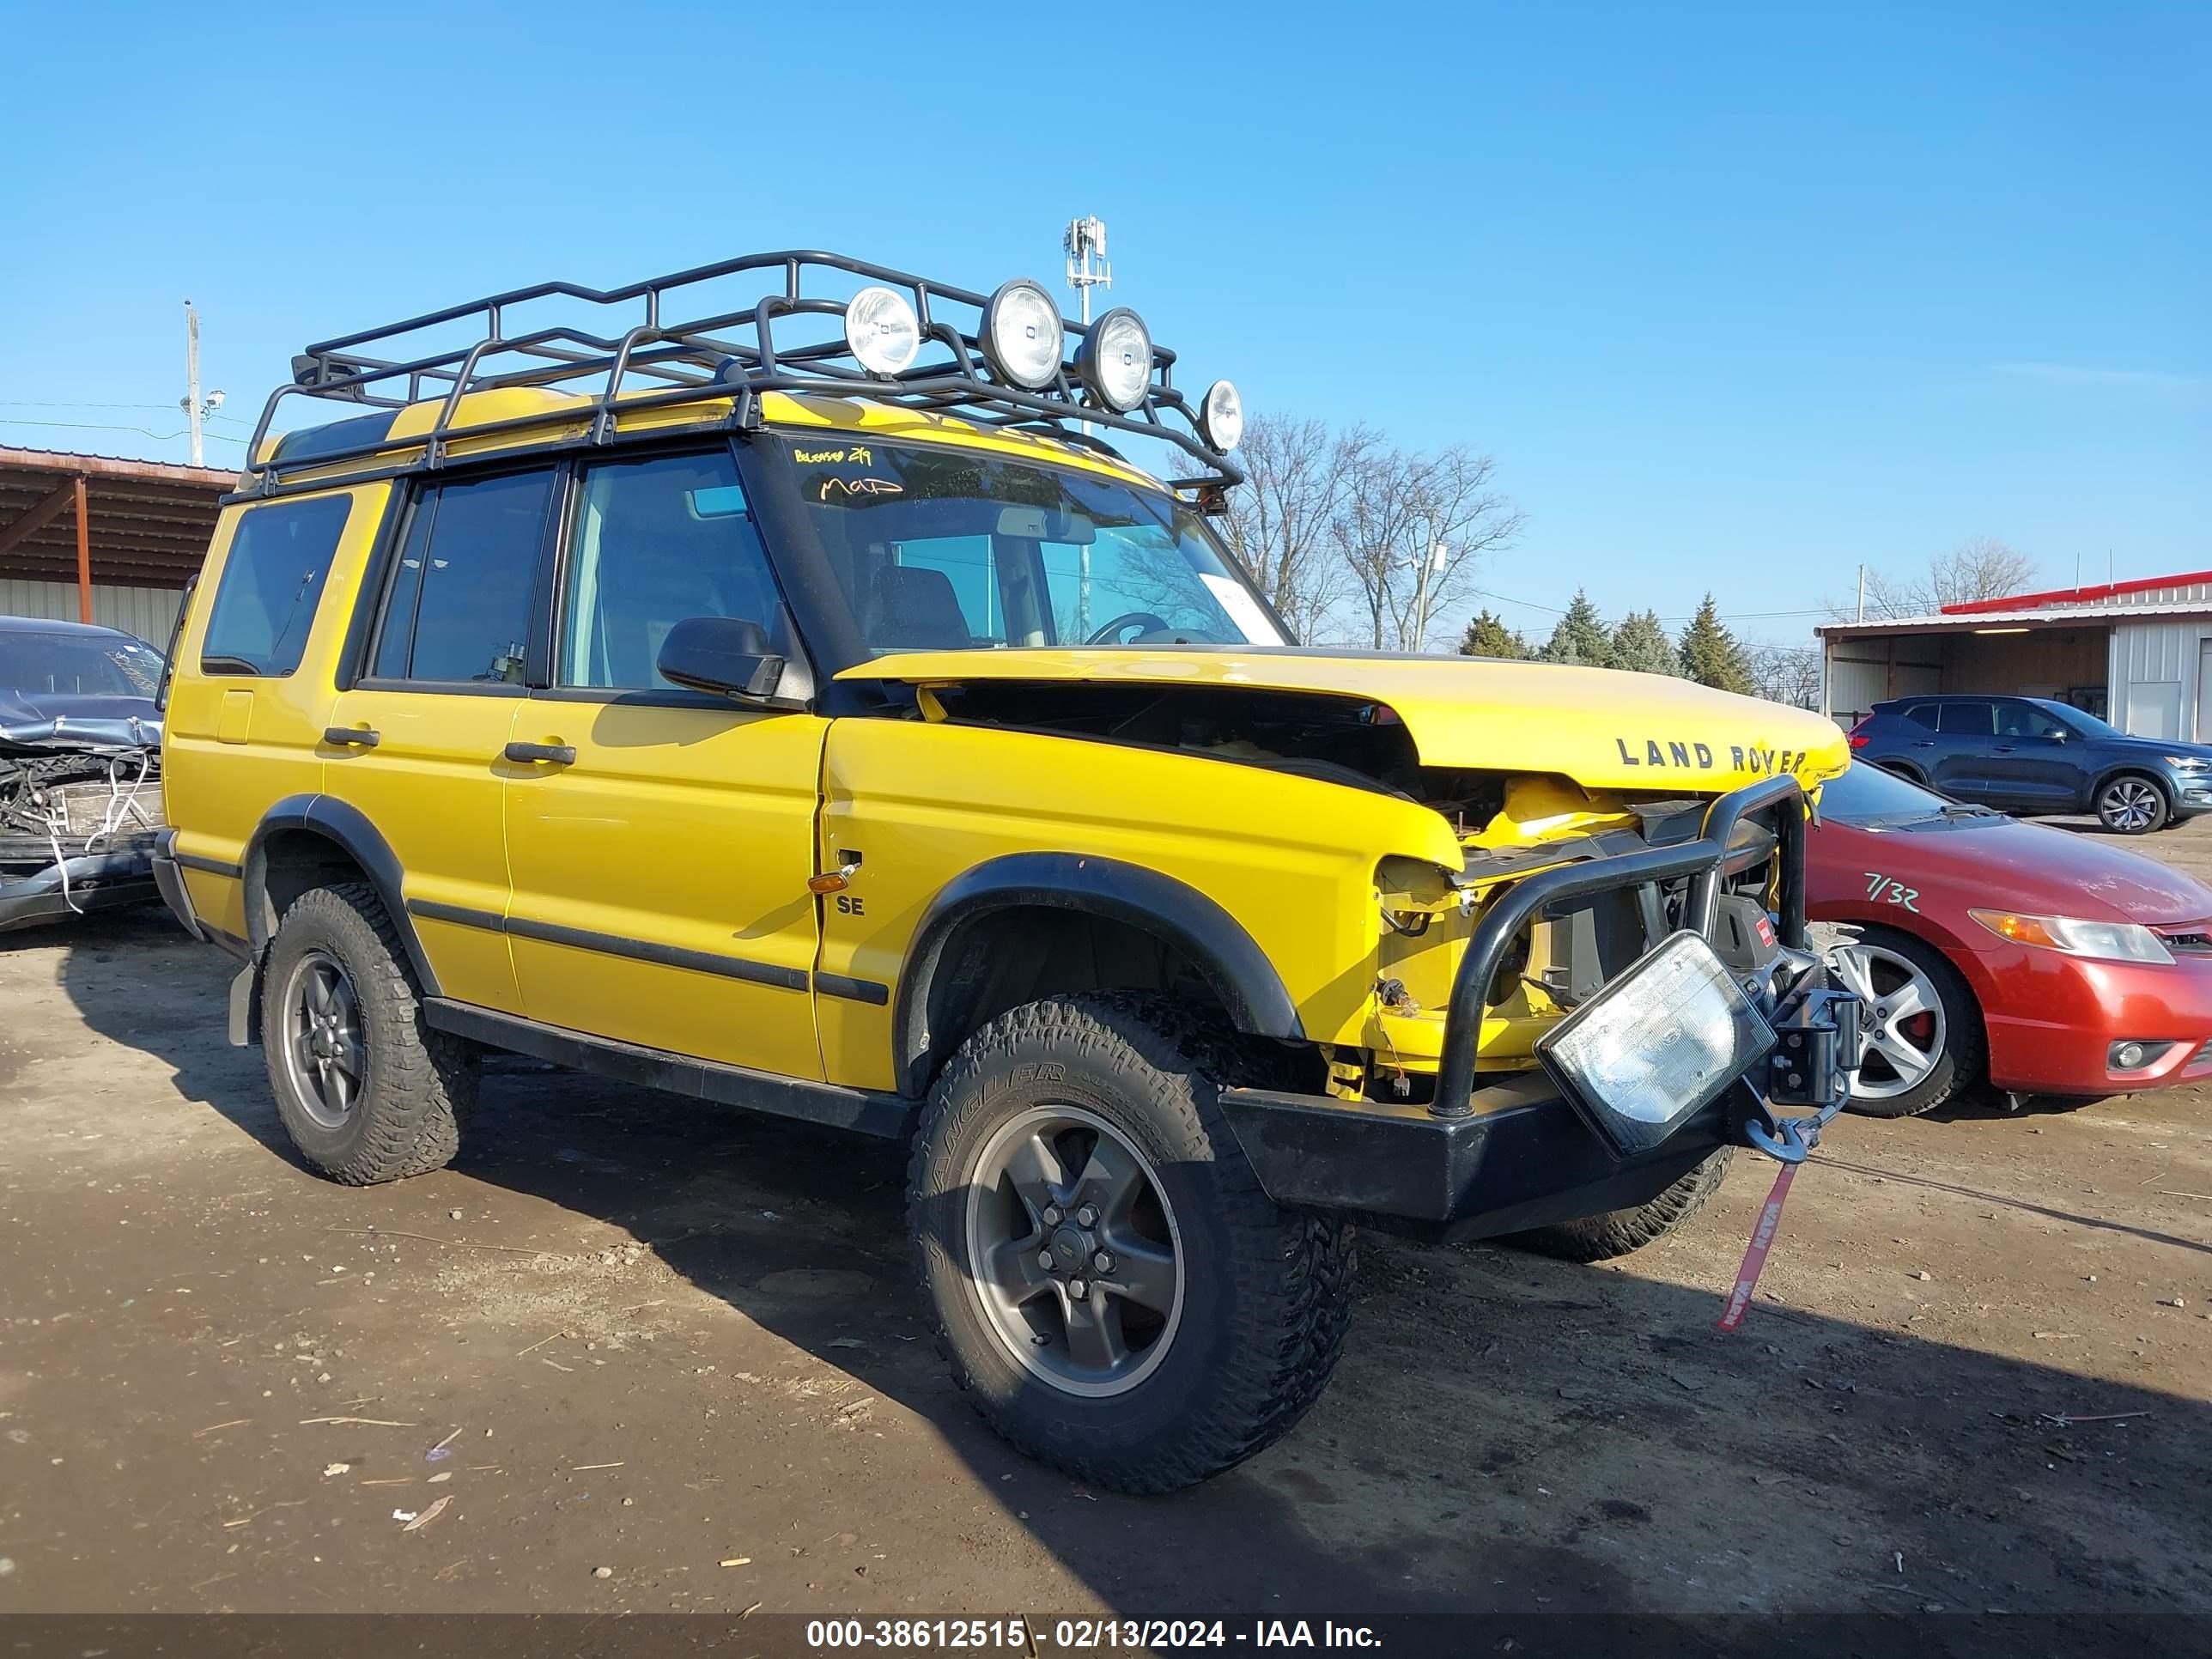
100	538
2137	654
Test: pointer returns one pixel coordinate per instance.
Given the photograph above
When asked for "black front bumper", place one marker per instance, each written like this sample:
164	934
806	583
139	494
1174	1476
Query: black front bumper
1526	1158
95	881
1480	1161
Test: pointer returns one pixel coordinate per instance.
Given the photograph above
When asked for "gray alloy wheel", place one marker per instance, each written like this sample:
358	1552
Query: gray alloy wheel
1080	1272
322	1040
2130	806
1906	1027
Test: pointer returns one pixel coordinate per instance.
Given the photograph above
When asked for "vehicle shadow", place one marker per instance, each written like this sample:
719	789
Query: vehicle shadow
1505	1434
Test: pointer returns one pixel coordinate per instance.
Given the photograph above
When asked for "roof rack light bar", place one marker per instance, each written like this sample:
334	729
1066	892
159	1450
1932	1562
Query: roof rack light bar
666	362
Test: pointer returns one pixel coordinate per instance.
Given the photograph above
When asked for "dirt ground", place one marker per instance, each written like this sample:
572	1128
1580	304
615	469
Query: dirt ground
631	1332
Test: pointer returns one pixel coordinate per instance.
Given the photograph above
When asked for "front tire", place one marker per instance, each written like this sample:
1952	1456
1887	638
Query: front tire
1616	1232
1924	1036
1115	1293
365	1089
2132	804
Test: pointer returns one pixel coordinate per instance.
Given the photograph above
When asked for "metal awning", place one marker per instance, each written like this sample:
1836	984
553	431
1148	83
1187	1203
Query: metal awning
105	519
1990	621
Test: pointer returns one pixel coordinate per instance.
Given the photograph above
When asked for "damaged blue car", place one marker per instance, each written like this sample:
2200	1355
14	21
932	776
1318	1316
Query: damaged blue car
80	770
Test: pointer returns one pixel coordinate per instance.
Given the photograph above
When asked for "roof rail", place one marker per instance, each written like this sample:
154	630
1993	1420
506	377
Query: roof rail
638	358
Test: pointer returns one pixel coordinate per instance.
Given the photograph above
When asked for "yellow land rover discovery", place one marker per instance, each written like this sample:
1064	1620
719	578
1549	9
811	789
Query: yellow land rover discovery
786	694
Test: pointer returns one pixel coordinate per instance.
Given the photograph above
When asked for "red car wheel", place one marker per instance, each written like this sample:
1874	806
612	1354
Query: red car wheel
1923	1029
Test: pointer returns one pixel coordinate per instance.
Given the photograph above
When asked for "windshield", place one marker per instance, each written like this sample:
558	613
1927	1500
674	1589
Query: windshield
948	549
78	666
1866	794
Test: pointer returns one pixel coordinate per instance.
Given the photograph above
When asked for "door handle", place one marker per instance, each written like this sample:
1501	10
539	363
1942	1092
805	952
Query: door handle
557	754
350	737
1924	743
2003	749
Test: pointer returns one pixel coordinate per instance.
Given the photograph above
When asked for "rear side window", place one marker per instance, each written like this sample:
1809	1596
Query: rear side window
272	581
1967	720
459	608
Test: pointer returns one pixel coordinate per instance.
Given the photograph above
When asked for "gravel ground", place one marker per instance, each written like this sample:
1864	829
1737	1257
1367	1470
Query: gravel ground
634	1333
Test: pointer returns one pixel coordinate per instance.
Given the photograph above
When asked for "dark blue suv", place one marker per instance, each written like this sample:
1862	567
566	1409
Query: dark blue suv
2028	756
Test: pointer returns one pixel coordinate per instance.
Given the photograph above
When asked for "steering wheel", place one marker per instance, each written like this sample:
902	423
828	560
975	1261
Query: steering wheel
1128	618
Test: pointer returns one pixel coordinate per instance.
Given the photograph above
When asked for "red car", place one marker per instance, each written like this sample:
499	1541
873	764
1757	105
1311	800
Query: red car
2048	961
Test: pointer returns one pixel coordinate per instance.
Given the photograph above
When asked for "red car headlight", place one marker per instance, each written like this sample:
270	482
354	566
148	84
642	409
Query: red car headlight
2101	941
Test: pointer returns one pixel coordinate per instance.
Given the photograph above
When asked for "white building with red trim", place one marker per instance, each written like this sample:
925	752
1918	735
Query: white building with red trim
2137	654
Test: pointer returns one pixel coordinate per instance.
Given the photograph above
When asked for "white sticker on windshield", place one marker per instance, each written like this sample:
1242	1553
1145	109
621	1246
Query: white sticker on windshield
1243	609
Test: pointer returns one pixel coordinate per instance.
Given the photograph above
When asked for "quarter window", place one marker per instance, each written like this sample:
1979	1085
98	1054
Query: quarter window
460	604
655	542
272	580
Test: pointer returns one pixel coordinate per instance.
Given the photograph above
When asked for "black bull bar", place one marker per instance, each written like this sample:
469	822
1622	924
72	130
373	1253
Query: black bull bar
1480	1162
1700	860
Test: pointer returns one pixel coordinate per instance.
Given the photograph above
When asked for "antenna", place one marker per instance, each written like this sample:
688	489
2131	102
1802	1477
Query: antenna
1085	240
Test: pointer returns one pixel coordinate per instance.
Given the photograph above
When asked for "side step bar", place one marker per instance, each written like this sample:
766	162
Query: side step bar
866	1110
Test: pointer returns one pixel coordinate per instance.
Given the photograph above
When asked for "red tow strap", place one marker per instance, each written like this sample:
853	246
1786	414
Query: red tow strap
1754	1258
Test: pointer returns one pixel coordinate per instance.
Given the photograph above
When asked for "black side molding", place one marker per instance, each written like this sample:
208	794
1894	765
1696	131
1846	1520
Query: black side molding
863	1111
852	990
583	938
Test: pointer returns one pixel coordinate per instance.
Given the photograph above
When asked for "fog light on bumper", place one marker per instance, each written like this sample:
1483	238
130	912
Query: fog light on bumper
1656	1045
2130	1054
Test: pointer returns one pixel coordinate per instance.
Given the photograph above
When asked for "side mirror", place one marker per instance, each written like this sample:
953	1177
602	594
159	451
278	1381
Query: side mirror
727	656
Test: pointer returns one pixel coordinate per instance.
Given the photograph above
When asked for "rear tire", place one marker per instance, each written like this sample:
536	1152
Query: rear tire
366	1092
2132	804
1616	1232
1226	1312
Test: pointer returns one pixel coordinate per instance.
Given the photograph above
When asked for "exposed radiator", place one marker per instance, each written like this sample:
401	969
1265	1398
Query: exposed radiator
122	810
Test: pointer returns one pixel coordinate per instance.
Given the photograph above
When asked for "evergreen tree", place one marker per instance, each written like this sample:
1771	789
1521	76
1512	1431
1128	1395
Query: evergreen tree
1580	636
1710	655
1641	645
1487	636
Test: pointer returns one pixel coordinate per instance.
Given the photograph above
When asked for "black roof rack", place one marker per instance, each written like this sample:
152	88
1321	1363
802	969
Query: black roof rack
641	357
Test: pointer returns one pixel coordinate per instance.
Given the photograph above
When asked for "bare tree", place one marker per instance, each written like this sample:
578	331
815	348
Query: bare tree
1979	567
1279	520
1785	673
1411	529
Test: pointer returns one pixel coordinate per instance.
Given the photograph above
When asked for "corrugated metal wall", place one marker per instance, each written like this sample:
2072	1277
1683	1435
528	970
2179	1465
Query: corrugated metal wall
2156	689
148	612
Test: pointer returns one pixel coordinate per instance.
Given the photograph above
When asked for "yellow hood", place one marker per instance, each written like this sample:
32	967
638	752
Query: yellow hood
1604	729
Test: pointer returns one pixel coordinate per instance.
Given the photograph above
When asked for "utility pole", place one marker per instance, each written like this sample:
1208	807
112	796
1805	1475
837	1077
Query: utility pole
196	408
1861	592
192	411
1084	239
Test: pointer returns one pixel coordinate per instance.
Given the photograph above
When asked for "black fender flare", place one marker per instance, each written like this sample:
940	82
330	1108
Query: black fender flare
1234	965
346	827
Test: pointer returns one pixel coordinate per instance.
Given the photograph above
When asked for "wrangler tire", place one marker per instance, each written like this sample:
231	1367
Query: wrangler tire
1263	1294
415	1084
1616	1232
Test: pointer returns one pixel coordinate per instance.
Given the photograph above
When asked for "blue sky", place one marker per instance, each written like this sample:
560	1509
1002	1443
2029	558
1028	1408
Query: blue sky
1736	297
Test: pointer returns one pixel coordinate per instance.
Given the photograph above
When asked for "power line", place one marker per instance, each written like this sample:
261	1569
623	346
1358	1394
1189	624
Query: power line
98	425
